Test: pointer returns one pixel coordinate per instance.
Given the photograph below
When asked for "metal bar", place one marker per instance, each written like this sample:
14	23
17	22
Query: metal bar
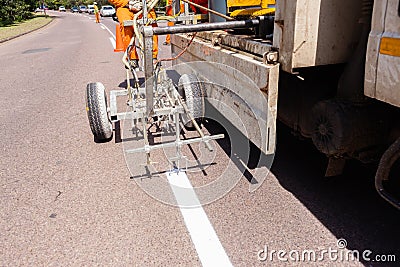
145	13
146	140
178	139
119	92
176	6
149	148
205	27
128	86
140	112
113	103
148	68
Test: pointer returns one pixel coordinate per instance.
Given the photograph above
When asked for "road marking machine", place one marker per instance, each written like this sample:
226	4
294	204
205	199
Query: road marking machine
158	101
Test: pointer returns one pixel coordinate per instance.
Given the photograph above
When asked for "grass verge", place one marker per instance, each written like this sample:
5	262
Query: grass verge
20	28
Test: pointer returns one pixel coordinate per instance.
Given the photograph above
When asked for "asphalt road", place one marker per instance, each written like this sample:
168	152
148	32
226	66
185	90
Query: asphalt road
67	201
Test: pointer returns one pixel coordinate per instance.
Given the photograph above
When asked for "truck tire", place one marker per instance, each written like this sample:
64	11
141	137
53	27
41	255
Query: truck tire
96	107
192	91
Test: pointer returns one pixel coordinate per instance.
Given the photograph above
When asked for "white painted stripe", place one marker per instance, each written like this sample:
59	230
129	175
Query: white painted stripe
204	238
112	42
101	26
111	33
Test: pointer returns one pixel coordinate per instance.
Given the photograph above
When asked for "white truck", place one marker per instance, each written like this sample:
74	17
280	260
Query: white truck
335	65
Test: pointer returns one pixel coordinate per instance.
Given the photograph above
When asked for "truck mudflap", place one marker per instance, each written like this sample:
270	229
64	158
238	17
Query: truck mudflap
238	82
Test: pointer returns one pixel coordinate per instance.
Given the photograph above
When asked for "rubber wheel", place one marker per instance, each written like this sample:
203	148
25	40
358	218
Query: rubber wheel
96	107
192	91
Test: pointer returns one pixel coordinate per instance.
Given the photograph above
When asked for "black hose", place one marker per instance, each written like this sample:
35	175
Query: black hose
388	159
114	17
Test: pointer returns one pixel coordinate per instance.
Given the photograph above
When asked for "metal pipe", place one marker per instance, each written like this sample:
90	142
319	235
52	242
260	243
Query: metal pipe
177	140
144	8
146	140
176	7
150	6
148	69
149	148
206	27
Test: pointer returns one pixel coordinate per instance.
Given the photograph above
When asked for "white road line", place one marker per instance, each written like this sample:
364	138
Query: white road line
101	26
204	238
111	33
112	42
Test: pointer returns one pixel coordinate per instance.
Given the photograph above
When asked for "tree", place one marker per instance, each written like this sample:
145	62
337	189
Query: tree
15	10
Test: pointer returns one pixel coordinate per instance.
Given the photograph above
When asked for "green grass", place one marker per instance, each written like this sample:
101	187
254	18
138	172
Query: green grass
16	29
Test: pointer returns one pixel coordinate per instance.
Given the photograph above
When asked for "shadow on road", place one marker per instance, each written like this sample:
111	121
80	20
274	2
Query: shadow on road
347	205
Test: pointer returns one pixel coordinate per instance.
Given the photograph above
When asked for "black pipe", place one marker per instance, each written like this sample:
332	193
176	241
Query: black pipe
206	27
385	165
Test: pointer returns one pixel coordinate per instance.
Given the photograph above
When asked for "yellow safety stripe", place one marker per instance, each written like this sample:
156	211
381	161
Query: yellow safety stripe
390	46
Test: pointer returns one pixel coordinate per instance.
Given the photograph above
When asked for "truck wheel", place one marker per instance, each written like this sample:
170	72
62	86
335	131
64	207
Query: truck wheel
96	107
192	91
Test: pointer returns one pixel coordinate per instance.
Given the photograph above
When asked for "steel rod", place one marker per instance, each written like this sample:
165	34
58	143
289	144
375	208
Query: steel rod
205	27
148	69
148	148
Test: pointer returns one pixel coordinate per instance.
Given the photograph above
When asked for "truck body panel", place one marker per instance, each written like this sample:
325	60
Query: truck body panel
382	79
315	32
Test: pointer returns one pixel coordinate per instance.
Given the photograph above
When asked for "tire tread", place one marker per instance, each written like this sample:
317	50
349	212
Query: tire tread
96	103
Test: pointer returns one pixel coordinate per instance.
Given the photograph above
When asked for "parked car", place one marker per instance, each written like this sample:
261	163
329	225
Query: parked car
107	11
41	8
61	9
90	9
74	9
82	9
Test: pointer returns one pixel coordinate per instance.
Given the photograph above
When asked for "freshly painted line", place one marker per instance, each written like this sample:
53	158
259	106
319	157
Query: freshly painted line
112	42
111	33
204	238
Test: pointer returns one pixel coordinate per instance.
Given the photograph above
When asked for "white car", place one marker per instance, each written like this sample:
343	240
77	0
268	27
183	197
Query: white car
107	11
90	9
61	9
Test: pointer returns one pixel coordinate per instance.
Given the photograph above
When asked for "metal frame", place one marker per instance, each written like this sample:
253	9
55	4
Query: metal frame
165	104
161	98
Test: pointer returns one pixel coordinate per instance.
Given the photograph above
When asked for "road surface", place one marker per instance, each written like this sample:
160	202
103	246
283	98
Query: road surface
67	201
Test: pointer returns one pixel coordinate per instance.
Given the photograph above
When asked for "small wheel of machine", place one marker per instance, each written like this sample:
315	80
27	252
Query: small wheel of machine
96	107
192	91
